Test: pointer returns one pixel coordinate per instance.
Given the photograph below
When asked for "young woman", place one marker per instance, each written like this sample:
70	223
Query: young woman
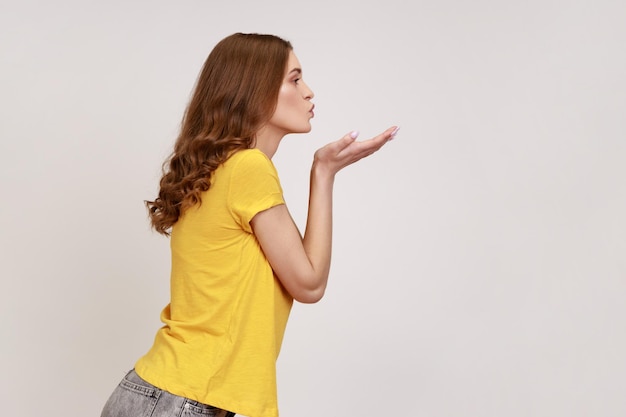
238	259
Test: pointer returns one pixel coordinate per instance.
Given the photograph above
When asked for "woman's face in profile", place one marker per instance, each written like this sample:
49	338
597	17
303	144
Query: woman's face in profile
294	109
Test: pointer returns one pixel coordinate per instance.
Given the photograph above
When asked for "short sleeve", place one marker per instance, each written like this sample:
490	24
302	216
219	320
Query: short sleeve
254	186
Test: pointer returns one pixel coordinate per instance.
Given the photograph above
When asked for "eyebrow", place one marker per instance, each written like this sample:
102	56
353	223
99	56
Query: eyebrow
296	70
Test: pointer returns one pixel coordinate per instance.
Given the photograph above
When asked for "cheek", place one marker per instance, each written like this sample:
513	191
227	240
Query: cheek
286	103
289	98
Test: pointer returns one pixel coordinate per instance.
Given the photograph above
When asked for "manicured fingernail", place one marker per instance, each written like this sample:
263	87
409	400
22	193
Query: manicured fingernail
354	134
394	133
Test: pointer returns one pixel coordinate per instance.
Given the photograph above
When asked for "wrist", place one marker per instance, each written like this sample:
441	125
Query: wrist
321	171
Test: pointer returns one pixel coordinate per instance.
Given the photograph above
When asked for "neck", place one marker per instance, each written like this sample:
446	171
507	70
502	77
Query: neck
267	141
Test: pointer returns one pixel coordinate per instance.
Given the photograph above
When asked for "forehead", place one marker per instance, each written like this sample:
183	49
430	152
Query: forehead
292	62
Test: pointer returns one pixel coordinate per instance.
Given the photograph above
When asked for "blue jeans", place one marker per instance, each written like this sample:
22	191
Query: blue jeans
135	397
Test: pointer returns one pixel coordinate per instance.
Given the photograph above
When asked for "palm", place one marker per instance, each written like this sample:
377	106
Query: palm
346	151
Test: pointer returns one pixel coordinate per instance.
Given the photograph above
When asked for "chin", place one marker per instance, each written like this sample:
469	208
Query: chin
304	129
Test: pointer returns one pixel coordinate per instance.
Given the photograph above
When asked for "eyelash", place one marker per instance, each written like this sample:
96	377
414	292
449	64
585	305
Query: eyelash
296	80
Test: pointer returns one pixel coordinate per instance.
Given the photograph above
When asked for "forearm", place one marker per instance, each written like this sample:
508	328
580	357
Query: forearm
317	239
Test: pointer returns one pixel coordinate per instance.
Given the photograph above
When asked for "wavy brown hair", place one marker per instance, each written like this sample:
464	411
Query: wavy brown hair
235	94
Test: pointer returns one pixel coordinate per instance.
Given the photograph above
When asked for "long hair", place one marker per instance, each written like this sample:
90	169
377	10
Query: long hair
235	94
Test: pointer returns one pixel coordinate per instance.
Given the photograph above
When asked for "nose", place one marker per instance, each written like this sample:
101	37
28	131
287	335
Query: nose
308	93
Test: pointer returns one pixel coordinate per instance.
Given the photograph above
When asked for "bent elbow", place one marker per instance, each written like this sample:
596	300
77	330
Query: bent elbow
310	296
306	287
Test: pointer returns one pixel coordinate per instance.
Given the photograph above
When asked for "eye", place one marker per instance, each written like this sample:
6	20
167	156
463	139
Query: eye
296	80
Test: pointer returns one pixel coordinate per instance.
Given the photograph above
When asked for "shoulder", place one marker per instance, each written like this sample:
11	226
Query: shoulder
249	160
252	154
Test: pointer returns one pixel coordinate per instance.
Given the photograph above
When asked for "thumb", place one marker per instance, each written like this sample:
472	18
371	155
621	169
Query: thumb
348	138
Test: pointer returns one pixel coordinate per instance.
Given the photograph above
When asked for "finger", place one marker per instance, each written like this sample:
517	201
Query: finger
379	140
388	134
342	144
348	139
358	151
362	149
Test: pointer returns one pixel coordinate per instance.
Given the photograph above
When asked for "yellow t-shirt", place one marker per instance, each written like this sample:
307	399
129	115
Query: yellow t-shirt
228	312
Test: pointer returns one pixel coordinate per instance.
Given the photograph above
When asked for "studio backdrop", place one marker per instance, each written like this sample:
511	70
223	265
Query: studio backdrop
479	260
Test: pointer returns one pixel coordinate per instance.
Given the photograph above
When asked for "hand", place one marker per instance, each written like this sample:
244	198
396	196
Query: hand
346	151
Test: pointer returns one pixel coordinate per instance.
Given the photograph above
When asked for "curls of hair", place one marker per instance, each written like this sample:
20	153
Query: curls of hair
235	94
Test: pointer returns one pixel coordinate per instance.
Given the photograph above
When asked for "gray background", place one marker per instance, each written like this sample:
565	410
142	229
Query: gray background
479	264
